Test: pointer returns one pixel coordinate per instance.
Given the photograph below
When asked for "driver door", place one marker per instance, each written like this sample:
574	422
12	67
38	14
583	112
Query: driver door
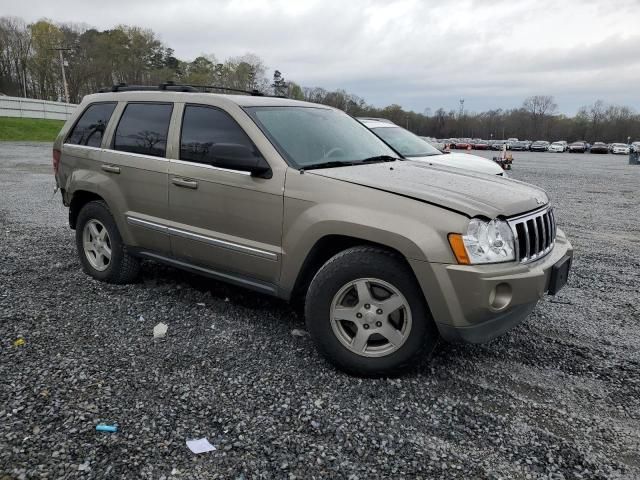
223	219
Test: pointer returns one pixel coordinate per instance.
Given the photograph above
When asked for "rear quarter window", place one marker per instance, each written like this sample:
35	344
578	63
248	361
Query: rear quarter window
91	125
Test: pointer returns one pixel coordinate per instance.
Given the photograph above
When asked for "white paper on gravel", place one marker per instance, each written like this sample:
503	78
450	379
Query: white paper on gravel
200	445
160	330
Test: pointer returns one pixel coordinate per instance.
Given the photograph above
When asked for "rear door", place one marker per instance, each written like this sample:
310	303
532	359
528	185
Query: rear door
224	219
136	160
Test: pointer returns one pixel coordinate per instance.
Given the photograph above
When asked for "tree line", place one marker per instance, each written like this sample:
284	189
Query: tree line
30	66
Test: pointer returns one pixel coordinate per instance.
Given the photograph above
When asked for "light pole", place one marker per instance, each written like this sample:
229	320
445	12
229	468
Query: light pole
64	75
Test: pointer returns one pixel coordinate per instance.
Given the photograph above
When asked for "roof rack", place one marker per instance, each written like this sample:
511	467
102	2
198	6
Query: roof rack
175	87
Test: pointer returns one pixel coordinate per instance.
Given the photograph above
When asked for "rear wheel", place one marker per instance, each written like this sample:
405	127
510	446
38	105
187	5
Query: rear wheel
102	253
367	314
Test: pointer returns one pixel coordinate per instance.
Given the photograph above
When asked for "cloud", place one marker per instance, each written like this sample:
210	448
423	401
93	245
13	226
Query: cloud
416	53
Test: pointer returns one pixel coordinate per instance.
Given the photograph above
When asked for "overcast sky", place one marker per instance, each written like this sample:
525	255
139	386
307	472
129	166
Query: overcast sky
419	54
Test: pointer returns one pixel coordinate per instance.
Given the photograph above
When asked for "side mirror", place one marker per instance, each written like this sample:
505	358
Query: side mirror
239	157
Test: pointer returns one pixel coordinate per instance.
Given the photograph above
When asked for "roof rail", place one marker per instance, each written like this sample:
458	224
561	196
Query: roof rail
254	92
175	87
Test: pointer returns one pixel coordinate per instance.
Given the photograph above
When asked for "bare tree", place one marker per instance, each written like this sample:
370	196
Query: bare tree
539	107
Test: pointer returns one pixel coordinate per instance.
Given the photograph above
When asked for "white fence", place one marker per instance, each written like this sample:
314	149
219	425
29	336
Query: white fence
32	108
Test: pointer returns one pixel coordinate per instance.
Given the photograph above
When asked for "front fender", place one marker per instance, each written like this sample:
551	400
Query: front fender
416	230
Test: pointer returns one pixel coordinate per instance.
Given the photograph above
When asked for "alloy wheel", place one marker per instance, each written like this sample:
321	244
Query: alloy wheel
370	317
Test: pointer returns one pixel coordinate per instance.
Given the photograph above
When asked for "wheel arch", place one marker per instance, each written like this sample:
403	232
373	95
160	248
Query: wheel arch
78	200
325	248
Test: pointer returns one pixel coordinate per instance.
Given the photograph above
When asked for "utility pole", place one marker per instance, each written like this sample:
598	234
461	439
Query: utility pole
460	114
64	75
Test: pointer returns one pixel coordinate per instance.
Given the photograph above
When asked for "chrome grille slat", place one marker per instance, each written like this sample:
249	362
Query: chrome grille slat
535	234
547	230
540	225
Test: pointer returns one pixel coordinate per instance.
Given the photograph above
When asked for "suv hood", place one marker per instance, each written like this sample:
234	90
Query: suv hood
472	194
466	161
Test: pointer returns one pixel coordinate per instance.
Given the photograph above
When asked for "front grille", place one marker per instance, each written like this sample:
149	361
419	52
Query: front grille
535	234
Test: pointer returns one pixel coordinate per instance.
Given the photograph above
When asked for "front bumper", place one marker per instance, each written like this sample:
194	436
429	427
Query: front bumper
476	303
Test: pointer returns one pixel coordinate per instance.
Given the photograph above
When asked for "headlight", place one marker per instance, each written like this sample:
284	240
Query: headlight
484	242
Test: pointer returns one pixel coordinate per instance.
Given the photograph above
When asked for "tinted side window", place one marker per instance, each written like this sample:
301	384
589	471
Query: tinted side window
203	127
143	128
91	125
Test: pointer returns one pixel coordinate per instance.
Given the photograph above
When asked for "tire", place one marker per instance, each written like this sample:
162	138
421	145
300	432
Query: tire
380	272
120	267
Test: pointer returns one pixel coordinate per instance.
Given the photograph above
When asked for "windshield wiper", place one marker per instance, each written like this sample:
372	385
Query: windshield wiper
331	164
378	158
348	163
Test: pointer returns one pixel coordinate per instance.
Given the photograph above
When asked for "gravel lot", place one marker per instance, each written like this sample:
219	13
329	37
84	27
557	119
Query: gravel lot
558	397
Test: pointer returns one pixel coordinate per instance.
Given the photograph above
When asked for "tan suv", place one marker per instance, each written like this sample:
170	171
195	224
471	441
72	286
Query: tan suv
301	201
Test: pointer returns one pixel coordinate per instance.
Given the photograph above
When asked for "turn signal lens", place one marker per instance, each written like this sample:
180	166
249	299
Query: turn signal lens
457	245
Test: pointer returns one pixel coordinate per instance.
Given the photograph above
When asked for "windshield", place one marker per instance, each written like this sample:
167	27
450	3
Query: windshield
405	142
308	136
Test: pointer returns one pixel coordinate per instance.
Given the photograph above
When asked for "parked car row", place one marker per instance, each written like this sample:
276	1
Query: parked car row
514	144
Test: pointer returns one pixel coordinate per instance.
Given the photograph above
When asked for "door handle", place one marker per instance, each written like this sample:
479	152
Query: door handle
185	183
110	169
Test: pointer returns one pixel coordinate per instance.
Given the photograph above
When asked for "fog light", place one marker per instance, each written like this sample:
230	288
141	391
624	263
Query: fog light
500	296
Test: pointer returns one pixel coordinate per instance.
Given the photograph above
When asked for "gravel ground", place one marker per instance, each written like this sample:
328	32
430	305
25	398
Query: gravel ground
558	397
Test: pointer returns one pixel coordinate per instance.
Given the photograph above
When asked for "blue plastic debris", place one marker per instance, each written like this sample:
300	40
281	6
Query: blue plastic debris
106	428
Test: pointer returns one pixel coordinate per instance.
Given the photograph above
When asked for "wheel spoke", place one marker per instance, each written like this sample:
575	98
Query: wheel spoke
359	342
345	313
89	246
364	295
101	259
103	234
106	251
93	229
389	332
392	304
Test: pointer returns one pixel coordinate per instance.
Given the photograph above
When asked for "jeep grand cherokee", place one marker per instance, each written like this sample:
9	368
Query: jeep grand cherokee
301	201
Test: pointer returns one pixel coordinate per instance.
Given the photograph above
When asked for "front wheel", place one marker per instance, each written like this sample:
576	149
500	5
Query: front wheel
367	315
